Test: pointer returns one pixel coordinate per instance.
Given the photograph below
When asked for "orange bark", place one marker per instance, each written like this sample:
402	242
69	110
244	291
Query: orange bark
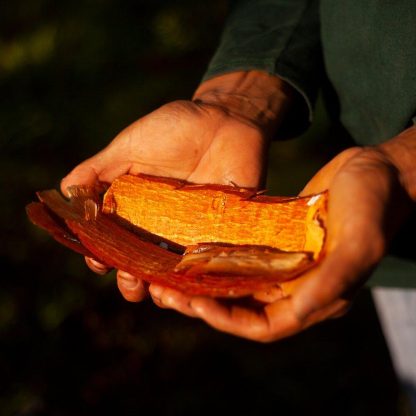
190	214
242	255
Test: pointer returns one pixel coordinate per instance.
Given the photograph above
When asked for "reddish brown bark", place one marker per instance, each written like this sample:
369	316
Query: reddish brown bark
228	271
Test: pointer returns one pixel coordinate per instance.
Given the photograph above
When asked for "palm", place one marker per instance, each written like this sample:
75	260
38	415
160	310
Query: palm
182	140
367	205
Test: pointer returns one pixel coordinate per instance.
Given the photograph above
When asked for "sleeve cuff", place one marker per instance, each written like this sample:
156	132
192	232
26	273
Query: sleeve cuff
301	116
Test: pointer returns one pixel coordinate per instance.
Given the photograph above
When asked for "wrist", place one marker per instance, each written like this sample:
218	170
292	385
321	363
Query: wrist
401	151
254	97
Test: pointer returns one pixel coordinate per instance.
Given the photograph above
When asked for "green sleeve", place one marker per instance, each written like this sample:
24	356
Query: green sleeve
394	271
281	37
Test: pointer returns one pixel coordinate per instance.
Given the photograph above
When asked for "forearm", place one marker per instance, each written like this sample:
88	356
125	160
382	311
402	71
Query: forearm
277	37
255	97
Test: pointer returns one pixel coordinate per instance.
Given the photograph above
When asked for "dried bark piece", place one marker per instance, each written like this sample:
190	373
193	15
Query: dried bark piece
189	214
80	224
41	216
249	260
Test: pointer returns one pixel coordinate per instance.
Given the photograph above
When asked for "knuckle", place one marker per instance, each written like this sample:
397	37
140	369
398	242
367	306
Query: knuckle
350	152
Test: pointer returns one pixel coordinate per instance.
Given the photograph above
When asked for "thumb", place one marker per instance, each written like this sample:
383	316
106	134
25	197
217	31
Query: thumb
105	166
83	174
339	276
323	178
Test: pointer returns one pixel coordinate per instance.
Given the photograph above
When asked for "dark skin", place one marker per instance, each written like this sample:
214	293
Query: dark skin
372	190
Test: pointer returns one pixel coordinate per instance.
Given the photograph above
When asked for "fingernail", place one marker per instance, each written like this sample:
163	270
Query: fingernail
98	265
128	281
130	284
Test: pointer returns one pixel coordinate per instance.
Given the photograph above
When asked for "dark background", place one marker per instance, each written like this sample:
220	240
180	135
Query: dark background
72	74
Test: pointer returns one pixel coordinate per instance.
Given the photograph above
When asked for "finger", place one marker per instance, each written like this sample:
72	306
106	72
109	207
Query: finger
269	295
340	309
155	292
132	288
83	174
291	286
275	321
337	278
334	310
105	166
322	180
169	298
96	266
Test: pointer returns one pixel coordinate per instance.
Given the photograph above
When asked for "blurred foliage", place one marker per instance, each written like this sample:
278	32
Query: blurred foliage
72	74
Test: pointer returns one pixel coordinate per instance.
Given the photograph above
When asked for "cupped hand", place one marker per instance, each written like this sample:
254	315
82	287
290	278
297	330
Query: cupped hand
367	203
197	142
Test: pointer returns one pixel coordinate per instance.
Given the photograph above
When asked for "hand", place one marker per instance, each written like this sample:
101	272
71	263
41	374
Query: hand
220	137
370	195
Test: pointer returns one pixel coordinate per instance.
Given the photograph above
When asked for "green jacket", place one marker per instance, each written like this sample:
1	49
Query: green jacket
367	50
